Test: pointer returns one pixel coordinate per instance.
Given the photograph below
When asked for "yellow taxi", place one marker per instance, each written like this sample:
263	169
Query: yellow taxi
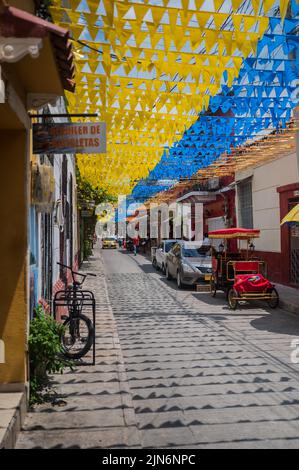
109	242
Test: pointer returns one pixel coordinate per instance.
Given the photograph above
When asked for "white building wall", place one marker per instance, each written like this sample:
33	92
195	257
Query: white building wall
56	232
265	198
71	170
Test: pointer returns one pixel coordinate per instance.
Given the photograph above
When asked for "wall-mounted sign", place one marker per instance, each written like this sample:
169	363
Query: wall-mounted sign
87	137
42	187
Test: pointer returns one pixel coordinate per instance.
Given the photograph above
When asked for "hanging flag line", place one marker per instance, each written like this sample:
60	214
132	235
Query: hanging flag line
149	102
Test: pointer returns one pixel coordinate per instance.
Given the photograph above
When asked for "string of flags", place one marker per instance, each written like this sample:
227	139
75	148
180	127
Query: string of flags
261	100
153	70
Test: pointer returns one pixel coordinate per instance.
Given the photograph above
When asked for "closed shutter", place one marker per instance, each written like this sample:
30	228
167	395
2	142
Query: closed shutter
245	204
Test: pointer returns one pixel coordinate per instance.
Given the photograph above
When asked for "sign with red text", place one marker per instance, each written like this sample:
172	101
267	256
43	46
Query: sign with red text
87	137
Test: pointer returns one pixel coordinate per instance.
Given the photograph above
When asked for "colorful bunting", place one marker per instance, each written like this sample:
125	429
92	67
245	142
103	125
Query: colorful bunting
149	70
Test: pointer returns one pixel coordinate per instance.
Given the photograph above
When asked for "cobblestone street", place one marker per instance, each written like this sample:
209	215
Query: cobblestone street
174	368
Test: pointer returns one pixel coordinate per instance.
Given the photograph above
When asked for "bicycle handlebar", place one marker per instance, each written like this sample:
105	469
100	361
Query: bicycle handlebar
74	272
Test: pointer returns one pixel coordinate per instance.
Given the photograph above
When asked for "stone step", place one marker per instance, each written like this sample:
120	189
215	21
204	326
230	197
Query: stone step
12	415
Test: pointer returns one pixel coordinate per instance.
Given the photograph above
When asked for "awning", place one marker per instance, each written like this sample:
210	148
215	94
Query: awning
198	197
20	24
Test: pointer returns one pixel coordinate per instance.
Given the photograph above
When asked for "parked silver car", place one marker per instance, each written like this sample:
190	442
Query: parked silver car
189	263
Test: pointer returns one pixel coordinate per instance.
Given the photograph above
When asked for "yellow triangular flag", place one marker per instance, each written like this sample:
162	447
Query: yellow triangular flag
173	16
202	18
185	5
256	6
93	31
107	68
267	5
77	30
237	19
219	19
93	5
218	4
236	4
75	4
195	38
157	14
283	7
185	18
249	22
109	8
124	36
210	39
154	37
74	16
140	12
122	8
91	18
263	25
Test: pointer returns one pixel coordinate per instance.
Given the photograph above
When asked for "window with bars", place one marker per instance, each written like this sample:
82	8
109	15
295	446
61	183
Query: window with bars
245	203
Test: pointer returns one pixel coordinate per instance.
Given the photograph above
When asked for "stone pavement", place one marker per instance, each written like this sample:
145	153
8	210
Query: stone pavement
175	369
96	406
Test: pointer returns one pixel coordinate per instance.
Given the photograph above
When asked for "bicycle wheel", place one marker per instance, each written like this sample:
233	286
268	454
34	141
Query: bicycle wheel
274	301
78	336
213	286
232	301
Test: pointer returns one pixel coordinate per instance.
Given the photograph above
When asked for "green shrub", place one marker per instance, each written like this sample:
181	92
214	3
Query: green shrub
45	353
87	249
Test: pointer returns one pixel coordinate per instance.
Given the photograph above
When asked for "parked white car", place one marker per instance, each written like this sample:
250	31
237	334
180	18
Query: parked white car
161	252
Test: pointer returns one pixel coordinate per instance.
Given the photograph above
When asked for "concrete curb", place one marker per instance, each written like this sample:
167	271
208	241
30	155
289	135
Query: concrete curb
289	306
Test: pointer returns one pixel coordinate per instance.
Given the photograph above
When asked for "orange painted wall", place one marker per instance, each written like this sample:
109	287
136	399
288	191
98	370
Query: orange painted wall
13	244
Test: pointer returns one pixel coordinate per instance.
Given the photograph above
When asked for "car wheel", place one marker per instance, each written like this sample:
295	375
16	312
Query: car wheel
168	275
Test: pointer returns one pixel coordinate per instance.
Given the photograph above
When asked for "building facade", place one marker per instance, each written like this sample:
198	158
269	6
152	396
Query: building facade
53	220
35	69
264	195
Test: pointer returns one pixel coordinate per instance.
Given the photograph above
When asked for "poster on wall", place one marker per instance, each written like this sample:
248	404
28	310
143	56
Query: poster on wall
87	137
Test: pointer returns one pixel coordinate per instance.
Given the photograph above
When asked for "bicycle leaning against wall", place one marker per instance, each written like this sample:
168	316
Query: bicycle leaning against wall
79	333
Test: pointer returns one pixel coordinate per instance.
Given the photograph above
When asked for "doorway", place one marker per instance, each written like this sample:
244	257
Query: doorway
294	248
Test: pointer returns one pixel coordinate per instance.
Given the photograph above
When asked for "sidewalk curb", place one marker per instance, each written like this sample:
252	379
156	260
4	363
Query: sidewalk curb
289	306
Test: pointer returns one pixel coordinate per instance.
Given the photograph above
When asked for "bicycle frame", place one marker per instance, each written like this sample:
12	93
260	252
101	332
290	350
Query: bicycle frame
75	299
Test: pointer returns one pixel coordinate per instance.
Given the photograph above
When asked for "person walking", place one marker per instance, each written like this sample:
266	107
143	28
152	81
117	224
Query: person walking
136	244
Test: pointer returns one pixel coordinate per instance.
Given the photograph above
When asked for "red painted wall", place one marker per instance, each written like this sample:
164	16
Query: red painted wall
286	193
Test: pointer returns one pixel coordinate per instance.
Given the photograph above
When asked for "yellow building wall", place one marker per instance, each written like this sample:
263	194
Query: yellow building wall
13	253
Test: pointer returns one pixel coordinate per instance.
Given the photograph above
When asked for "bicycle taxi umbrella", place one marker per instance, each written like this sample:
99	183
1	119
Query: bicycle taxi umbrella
292	217
235	233
240	277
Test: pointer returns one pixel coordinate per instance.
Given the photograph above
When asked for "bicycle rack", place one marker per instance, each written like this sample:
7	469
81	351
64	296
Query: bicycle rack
64	298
